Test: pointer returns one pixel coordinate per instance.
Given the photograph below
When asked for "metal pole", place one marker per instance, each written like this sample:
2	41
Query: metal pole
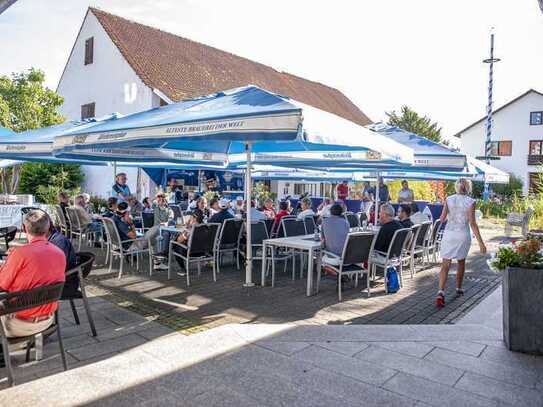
488	141
248	185
114	171
376	212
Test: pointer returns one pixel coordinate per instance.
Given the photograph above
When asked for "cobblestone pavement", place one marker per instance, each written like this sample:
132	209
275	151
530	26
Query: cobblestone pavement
206	304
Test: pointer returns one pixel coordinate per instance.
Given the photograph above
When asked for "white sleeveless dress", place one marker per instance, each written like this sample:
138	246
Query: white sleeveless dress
457	236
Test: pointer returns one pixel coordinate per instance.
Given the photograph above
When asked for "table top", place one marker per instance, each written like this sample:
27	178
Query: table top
297	242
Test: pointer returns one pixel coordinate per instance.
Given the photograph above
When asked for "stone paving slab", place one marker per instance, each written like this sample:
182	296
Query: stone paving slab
284	364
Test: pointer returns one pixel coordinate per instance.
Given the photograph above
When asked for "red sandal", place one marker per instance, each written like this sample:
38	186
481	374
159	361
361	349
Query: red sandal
440	299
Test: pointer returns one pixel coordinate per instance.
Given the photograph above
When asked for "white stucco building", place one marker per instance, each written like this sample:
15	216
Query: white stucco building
117	65
517	137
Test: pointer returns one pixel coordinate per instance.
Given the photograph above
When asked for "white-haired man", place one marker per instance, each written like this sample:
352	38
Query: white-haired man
388	226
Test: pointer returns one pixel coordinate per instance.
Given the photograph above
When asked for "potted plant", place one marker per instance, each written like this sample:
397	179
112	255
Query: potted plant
522	266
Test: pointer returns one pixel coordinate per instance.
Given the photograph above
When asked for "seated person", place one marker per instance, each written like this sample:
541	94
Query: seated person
201	205
324	208
417	217
388	226
214	206
136	207
306	209
63	202
335	229
223	214
33	265
111	207
163	213
283	211
255	213
239	206
268	209
71	286
85	219
147	206
404	212
196	218
124	224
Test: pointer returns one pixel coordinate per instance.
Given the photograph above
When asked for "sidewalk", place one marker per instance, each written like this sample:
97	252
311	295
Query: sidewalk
296	365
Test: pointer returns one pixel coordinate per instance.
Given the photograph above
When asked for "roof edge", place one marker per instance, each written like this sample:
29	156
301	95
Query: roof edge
498	109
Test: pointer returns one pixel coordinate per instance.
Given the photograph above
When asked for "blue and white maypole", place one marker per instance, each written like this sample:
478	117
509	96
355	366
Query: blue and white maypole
488	141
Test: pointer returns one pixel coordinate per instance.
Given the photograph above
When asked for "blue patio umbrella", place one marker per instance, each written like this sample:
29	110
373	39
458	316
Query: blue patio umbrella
428	155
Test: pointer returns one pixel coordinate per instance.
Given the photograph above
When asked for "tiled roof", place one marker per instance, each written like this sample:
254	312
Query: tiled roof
182	69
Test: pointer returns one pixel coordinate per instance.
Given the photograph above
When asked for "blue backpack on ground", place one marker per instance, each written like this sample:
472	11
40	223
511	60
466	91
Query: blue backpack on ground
393	282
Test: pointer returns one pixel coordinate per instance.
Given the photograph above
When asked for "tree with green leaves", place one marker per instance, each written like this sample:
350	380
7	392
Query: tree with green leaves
26	103
45	181
411	121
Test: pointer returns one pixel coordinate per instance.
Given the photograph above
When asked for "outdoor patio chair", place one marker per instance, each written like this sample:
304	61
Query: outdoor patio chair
355	254
13	302
7	233
177	212
82	269
519	219
76	231
199	248
393	257
352	219
310	225
269	225
228	241
25	210
280	232
292	227
124	248
409	255
434	241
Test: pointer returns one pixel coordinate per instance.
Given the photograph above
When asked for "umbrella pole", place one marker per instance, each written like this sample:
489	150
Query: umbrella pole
248	186
114	171
376	215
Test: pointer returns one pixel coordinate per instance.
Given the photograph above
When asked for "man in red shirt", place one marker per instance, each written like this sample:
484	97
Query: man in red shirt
342	191
34	265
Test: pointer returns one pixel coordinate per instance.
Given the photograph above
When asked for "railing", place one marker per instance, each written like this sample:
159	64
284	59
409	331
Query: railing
535	159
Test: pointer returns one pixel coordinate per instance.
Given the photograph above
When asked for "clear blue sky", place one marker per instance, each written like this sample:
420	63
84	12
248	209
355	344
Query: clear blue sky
382	54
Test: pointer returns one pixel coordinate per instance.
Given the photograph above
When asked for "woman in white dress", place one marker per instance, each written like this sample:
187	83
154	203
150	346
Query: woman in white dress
459	212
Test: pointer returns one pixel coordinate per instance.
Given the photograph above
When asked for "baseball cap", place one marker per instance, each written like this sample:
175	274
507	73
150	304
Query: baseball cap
224	203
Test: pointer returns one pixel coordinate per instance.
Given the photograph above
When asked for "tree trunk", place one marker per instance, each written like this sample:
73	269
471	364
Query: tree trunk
15	176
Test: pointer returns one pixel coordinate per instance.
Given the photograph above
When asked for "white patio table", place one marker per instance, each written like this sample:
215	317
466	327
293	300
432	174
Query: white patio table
305	243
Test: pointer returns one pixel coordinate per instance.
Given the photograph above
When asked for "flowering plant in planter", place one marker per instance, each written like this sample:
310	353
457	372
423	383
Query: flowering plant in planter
522	254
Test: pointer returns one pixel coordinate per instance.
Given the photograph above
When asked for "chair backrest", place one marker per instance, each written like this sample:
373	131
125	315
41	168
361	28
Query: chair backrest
399	242
26	209
202	238
357	248
84	262
148	220
183	205
269	225
412	241
61	219
423	233
309	222
292	227
8	233
177	213
112	233
28	299
352	219
259	232
74	218
435	231
230	231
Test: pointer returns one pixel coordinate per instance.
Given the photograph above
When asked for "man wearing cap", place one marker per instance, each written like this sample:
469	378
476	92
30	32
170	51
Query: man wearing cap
120	190
223	213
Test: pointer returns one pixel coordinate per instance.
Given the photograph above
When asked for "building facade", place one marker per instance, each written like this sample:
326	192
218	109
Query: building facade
517	138
117	65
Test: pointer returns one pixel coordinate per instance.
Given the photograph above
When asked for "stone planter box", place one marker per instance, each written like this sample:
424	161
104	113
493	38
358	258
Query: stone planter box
523	310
